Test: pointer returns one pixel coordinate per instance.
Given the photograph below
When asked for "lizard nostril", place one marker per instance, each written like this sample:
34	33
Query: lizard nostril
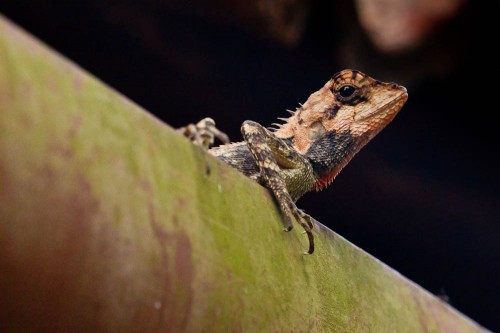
394	85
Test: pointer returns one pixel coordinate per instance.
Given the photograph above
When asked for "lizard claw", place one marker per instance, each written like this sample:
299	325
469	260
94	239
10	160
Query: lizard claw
311	242
305	221
308	226
306	217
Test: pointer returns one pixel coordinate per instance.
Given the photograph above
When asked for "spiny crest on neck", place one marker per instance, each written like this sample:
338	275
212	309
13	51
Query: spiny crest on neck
278	126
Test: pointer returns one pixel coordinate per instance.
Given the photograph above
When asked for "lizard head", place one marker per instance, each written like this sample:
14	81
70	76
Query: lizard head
359	104
340	118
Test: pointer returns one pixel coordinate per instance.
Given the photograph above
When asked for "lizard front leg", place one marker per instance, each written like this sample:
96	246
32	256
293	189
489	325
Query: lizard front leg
283	171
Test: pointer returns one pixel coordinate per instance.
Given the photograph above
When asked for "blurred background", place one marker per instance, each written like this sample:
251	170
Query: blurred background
422	197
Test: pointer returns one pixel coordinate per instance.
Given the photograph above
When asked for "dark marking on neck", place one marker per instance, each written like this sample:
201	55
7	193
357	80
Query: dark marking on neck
330	151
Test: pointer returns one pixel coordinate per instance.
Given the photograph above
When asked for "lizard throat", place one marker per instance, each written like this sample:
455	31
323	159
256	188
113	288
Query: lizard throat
329	154
327	178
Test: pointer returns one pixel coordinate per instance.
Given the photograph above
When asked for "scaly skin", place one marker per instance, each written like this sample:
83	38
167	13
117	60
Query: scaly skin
310	148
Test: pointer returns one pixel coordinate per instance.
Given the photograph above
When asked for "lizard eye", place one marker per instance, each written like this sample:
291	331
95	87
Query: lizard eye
347	91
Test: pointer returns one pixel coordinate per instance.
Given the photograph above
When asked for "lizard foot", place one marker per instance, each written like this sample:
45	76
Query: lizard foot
203	133
305	222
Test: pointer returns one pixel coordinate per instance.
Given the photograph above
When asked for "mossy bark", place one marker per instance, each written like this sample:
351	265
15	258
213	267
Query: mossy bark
111	222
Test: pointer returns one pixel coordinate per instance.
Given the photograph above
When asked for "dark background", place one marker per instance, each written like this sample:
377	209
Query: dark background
423	196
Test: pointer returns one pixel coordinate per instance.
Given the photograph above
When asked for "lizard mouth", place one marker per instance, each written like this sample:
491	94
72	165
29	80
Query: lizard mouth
389	109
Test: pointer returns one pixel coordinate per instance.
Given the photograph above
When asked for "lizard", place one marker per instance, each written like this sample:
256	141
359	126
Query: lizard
308	149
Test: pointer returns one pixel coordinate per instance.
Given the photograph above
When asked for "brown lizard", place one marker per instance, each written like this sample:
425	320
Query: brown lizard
310	148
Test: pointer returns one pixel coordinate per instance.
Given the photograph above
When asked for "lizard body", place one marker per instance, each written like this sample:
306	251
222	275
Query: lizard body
309	149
